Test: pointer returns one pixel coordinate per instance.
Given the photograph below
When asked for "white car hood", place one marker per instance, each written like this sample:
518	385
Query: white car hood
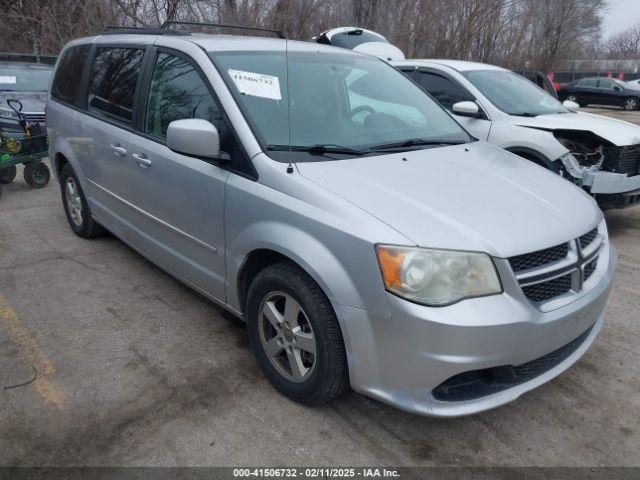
618	132
469	197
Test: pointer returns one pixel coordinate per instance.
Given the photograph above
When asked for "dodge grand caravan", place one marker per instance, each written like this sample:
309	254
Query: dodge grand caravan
365	237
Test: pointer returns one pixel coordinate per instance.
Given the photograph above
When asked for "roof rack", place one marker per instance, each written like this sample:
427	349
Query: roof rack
167	24
143	31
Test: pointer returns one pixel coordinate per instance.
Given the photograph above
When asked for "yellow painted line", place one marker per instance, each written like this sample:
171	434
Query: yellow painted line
47	389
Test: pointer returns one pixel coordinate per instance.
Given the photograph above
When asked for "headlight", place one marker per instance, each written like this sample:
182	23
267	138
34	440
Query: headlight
437	277
8	114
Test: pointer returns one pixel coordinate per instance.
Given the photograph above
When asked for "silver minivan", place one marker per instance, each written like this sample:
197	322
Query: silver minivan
363	235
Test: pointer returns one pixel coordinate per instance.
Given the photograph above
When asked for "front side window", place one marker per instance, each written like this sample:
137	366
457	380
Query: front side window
68	74
114	76
332	99
442	89
514	94
177	92
607	84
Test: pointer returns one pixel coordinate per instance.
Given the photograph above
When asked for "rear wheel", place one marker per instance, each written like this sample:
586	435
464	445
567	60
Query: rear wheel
631	104
36	174
8	174
76	207
295	335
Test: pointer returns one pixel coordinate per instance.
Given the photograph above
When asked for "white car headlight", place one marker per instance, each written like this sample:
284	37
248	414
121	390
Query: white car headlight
437	277
8	114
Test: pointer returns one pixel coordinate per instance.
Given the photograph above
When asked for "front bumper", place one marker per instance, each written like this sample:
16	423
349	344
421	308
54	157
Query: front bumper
400	360
610	182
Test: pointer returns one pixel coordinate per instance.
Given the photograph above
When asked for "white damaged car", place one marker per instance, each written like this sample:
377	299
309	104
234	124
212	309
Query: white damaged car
600	154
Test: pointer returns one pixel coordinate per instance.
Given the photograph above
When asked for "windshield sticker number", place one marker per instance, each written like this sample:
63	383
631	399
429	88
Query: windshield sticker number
7	79
256	84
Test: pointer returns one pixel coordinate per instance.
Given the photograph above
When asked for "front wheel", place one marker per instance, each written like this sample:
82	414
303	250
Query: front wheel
630	104
574	99
8	174
295	335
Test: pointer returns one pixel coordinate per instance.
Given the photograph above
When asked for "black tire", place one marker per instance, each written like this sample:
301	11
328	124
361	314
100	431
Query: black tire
37	174
88	228
8	174
329	377
630	104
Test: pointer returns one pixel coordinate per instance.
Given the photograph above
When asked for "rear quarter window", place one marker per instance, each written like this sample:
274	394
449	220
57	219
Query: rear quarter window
68	75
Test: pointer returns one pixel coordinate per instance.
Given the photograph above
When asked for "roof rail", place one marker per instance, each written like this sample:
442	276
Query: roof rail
143	31
168	23
27	57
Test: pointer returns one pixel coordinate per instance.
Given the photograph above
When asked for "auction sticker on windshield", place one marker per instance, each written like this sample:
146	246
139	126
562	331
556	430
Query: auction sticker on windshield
7	79
256	84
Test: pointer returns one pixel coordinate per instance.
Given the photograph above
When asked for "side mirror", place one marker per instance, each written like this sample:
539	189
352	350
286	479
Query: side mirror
467	109
194	137
572	106
617	88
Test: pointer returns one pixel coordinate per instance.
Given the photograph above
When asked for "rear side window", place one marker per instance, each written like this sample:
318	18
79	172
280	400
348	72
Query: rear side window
114	75
442	89
177	92
68	74
589	83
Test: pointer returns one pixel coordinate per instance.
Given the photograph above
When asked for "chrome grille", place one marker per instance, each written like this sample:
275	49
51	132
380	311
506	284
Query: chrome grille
622	160
34	117
541	257
539	292
558	271
587	238
589	268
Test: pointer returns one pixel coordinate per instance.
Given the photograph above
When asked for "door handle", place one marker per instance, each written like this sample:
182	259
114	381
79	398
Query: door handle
118	150
141	159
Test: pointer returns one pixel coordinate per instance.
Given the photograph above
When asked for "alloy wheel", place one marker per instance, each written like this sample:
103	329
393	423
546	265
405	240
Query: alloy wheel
74	202
631	104
286	336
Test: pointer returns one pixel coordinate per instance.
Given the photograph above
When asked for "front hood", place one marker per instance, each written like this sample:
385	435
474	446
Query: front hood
618	132
32	102
467	197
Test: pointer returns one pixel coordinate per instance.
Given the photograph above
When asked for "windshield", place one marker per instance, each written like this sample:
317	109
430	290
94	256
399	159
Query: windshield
344	101
514	94
24	79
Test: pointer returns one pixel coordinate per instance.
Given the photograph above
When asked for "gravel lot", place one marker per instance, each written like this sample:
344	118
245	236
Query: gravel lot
133	368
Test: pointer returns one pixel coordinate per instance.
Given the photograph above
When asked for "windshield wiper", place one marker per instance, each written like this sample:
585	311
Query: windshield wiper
525	114
319	149
414	142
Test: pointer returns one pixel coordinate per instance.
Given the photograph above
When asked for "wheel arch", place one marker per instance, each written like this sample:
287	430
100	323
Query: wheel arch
534	156
64	154
282	242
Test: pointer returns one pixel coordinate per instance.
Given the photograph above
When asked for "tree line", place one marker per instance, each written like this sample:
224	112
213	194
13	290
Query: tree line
536	34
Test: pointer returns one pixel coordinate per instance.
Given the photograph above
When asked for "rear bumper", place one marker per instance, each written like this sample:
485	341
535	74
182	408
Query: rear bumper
401	360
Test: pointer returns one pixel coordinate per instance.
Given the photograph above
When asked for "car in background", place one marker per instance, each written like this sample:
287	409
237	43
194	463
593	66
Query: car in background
601	91
360	40
24	78
599	154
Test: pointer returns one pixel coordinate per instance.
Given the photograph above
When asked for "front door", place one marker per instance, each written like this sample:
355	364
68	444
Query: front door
179	200
448	92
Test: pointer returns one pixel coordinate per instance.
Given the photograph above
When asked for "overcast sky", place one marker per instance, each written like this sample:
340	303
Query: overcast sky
620	15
